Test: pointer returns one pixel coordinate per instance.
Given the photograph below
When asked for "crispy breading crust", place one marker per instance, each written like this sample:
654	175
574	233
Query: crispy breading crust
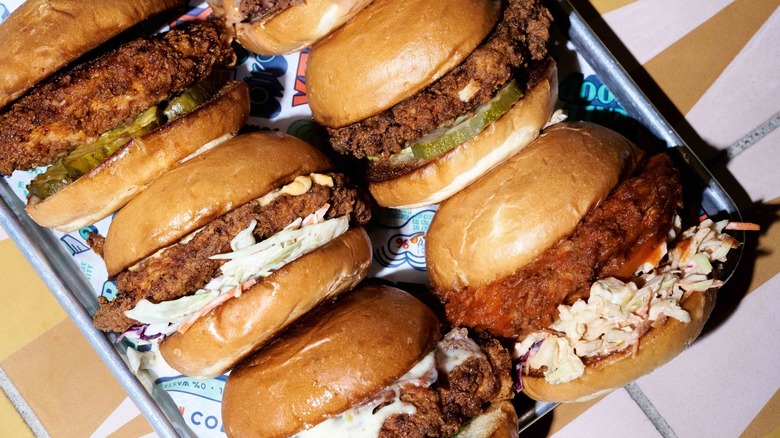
182	269
76	106
520	36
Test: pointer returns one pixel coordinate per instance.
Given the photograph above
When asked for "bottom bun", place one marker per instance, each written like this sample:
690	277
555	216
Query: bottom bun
499	421
298	27
333	361
221	338
119	178
462	165
657	347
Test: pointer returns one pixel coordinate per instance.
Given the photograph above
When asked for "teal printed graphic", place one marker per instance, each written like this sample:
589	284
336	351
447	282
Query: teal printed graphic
4	12
209	389
403	244
74	245
109	290
588	99
86	268
84	232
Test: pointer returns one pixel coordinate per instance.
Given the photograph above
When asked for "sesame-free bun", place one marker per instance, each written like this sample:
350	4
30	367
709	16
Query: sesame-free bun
656	347
230	332
119	178
199	190
508	217
330	362
381	57
449	173
41	36
296	28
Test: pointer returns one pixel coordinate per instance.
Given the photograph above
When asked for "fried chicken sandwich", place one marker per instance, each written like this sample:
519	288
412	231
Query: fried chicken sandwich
111	122
372	364
433	93
574	249
225	250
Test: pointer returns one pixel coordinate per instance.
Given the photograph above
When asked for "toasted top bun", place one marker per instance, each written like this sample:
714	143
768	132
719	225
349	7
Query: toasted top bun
115	181
203	188
383	55
656	347
331	362
296	28
227	334
511	215
41	36
457	168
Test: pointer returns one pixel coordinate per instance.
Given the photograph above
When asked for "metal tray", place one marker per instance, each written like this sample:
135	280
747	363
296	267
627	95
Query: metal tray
67	283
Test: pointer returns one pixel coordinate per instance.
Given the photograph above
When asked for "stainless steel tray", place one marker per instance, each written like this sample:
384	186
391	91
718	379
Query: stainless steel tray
69	286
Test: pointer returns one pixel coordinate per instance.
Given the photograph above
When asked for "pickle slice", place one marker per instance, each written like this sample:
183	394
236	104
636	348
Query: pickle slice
190	99
86	157
469	126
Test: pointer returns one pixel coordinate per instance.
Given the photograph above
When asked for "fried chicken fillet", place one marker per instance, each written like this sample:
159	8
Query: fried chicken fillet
638	214
77	105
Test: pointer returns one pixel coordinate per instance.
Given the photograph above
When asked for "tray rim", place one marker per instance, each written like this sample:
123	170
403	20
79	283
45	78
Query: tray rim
36	243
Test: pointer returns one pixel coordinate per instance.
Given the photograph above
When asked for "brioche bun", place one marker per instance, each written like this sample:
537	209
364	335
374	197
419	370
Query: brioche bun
41	36
454	170
512	214
381	57
294	29
328	363
535	200
203	188
498	421
224	336
116	180
657	347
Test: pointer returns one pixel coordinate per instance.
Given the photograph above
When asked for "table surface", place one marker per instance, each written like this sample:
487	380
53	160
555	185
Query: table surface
713	69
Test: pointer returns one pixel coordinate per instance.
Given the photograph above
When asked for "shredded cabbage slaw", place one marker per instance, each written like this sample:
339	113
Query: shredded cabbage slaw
617	313
248	262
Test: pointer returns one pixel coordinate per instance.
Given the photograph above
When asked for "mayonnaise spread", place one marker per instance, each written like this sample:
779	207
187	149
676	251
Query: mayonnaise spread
366	420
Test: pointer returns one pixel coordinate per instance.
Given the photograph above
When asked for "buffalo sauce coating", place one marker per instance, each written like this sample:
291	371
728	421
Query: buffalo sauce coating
639	211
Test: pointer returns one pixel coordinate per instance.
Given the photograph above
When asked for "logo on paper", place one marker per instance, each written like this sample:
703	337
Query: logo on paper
109	290
403	244
265	88
73	244
587	98
210	389
300	98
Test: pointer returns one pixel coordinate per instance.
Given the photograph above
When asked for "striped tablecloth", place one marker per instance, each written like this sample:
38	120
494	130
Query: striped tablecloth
713	69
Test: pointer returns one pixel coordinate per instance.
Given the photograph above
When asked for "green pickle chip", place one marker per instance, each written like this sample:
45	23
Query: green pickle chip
86	157
466	128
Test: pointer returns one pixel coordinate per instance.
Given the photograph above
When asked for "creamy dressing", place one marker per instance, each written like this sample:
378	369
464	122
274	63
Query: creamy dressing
617	314
455	349
361	421
299	186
